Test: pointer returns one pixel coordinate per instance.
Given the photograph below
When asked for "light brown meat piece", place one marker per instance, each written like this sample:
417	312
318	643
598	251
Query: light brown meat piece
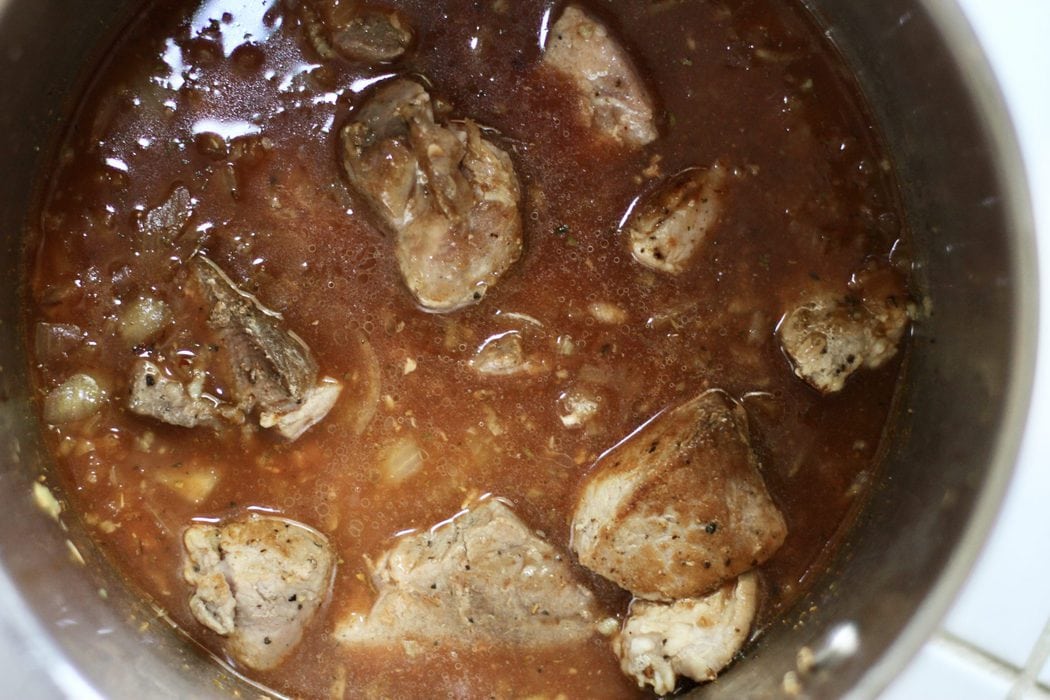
317	402
692	637
355	31
481	578
612	97
272	368
828	337
679	507
450	197
667	227
152	393
258	581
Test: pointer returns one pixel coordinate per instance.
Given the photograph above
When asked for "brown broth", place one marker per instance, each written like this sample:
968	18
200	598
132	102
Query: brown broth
751	83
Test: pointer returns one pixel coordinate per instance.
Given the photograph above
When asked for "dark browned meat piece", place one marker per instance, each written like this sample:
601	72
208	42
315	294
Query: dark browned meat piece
154	394
450	197
612	97
668	226
272	367
680	507
482	578
355	31
257	581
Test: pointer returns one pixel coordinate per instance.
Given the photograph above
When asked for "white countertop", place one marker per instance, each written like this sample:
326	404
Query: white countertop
995	642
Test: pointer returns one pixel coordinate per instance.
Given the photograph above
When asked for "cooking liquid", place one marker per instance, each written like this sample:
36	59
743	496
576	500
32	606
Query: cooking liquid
226	99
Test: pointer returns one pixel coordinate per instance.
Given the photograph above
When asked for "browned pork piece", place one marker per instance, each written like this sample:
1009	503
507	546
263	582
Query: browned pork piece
450	197
679	507
257	581
667	227
692	637
483	577
354	30
155	394
272	368
830	336
612	97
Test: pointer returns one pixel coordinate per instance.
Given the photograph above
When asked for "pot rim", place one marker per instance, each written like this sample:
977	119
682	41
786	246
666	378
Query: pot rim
989	102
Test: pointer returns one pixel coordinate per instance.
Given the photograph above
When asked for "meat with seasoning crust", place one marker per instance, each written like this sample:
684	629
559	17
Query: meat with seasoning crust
613	99
830	336
668	226
154	394
257	581
481	578
679	507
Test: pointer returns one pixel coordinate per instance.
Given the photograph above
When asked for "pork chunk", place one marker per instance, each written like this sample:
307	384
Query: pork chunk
257	581
354	31
667	227
480	578
450	197
155	395
272	368
317	402
613	100
692	637
680	507
829	337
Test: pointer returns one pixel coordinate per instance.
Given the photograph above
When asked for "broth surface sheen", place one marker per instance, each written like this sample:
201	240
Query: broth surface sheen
226	99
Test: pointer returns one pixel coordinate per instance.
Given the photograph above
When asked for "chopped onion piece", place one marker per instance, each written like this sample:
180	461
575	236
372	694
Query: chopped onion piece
77	398
143	319
401	459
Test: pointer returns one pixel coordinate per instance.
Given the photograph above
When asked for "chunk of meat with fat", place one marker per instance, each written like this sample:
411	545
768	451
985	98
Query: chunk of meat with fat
317	401
257	581
354	30
679	507
828	337
692	637
666	228
272	368
482	577
154	394
612	97
450	197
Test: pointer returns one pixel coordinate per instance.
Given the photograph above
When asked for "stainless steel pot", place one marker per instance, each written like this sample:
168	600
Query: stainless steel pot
74	630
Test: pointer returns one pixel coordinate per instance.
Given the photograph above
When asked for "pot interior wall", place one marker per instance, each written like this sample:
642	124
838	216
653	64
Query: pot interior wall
949	448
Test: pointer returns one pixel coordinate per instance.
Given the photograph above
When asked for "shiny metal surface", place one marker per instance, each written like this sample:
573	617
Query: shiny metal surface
948	453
